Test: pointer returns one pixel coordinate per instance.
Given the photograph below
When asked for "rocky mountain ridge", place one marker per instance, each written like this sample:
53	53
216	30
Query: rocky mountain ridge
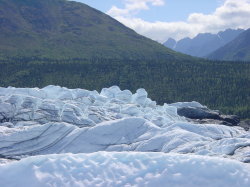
236	50
203	44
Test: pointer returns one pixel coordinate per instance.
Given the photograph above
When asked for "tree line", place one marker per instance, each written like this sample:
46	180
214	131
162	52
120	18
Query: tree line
219	85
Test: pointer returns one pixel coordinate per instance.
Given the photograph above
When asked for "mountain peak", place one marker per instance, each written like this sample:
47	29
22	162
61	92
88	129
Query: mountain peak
170	43
237	49
205	43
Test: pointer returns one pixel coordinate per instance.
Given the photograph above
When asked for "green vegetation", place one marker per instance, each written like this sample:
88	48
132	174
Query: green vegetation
219	85
61	29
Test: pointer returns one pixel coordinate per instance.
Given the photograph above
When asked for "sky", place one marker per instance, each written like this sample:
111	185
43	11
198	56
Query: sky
162	19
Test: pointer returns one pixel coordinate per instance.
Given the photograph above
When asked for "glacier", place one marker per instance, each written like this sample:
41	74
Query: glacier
116	169
43	131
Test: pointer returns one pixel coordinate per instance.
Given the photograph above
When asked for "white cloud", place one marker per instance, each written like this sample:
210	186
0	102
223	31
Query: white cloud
132	7
232	14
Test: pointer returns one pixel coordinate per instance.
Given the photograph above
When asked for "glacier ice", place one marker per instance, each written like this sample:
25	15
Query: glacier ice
57	120
117	169
80	107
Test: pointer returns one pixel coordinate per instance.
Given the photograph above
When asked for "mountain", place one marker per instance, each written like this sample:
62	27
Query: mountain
203	44
170	43
66	29
238	49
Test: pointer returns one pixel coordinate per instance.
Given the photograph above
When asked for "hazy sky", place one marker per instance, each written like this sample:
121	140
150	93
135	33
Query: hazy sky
161	19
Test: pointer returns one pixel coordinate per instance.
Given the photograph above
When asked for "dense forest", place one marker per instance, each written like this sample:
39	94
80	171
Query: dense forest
218	84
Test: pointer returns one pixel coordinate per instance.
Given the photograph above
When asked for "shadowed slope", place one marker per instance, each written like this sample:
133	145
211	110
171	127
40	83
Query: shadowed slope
66	29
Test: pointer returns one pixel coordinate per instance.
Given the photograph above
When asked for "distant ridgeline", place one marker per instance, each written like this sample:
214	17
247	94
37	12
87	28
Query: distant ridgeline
237	49
204	43
69	44
233	45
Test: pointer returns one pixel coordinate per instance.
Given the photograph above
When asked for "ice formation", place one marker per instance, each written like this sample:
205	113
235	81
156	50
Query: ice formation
113	169
56	120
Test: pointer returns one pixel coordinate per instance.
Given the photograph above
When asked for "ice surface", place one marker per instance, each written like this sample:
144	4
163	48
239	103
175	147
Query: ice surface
127	134
142	143
188	104
125	169
80	107
59	120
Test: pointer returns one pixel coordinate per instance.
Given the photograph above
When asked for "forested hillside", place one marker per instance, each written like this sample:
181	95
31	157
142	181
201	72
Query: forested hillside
219	85
61	29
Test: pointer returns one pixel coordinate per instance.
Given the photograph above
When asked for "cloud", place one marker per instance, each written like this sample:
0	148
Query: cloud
231	14
132	7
